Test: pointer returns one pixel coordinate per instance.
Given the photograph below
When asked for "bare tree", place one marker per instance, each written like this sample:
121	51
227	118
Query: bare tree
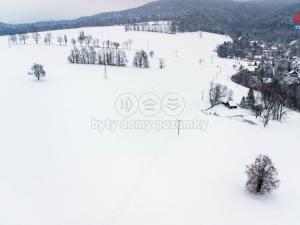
200	34
217	92
48	39
13	39
141	59
116	45
23	38
65	40
38	71
73	41
274	101
81	37
262	176
36	37
108	43
151	53
88	40
96	43
130	42
60	40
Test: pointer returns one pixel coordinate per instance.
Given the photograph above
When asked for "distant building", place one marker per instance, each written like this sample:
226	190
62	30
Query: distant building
267	80
293	73
230	105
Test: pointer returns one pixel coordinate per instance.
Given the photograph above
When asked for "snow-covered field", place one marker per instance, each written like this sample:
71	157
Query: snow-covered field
56	170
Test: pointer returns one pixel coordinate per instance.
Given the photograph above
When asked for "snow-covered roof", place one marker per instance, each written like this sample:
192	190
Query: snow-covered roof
267	80
293	72
232	104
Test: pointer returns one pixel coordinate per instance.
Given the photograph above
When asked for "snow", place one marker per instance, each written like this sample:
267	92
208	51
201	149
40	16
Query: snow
232	104
55	169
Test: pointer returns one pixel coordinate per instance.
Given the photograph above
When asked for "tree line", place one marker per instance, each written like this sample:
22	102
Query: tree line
242	47
270	104
103	56
23	38
159	27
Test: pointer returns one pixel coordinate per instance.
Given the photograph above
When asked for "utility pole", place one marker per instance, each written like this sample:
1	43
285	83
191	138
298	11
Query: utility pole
178	131
9	45
105	72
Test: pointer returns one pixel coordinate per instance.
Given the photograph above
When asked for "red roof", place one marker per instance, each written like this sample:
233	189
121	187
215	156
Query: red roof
297	18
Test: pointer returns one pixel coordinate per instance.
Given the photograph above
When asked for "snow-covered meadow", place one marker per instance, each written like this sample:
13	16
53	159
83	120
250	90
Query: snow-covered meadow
55	169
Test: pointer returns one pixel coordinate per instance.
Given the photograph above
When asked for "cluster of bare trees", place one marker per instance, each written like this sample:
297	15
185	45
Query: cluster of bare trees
37	38
48	39
86	40
104	56
62	40
127	44
270	104
18	39
274	101
160	27
219	93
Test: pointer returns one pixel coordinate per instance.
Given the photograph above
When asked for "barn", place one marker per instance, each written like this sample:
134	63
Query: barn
230	105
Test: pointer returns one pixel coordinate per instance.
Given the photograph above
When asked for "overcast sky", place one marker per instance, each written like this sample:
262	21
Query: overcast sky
15	11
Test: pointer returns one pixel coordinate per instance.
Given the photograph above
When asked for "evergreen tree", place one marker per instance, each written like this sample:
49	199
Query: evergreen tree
243	103
251	99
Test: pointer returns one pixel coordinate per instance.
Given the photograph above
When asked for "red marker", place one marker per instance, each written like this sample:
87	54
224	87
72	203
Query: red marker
297	18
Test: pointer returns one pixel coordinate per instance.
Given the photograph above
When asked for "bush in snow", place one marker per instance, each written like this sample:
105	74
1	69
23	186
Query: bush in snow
151	53
162	63
73	41
262	176
38	71
141	59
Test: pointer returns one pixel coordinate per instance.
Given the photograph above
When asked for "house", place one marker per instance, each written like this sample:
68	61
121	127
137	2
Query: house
230	105
293	73
267	80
